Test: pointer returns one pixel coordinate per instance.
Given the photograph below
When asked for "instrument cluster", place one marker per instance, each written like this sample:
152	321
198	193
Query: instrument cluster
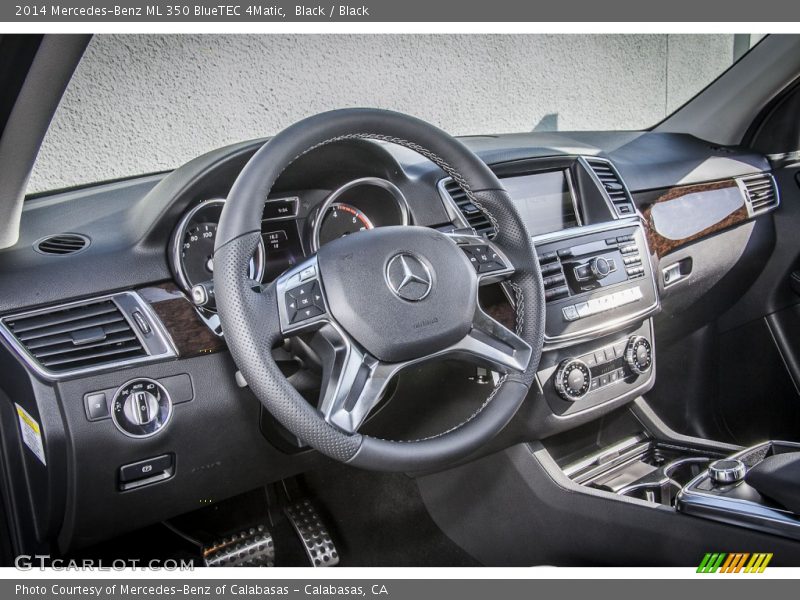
293	227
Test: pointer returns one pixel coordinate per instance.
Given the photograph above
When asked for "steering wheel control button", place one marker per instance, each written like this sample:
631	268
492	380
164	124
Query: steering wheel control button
573	379
303	314
483	258
96	406
305	301
141	408
727	471
308	273
639	355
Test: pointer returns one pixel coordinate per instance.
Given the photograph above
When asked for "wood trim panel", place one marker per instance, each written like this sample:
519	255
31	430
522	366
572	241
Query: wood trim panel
188	331
681	215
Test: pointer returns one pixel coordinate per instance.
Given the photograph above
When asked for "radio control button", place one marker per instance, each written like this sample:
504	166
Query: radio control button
570	313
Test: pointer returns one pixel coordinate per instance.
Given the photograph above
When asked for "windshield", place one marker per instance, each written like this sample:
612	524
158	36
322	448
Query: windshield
143	103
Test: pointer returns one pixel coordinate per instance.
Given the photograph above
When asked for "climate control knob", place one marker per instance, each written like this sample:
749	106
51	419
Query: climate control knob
141	407
639	355
573	379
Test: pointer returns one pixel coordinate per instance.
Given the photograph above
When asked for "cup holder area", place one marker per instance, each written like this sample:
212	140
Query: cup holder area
644	469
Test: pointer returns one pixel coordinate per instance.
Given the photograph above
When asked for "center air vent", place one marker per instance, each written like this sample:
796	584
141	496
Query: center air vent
474	216
77	336
612	183
64	243
760	192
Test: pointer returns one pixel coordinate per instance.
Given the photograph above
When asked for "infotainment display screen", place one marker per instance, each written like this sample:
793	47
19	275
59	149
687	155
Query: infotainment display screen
544	200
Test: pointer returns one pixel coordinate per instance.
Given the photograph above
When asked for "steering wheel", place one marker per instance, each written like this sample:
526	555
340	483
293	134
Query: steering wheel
375	302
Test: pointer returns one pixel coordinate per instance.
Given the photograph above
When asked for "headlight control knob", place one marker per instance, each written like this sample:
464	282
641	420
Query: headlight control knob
141	407
639	355
572	379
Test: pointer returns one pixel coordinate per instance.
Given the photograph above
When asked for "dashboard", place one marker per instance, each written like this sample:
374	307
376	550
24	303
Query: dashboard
625	227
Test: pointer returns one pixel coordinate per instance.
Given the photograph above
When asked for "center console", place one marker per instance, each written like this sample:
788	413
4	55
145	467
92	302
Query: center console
599	293
755	488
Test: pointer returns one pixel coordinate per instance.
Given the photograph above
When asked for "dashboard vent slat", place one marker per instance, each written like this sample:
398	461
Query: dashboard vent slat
62	244
613	185
77	336
472	214
761	193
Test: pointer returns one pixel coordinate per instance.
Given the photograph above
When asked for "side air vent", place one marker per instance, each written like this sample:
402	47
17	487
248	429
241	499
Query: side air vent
760	192
615	188
76	336
64	243
472	214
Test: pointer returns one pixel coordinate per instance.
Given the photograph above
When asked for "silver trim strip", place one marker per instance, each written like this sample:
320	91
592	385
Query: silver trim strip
30	361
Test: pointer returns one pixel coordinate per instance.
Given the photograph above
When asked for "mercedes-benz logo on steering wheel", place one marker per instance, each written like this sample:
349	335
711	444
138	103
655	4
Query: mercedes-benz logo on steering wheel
408	277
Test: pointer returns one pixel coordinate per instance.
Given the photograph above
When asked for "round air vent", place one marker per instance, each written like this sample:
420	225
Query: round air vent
61	244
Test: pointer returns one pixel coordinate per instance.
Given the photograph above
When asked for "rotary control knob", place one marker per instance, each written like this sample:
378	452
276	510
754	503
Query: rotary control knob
141	407
639	355
727	471
572	379
599	267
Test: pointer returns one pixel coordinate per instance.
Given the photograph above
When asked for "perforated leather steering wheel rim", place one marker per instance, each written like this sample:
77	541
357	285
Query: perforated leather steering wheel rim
252	322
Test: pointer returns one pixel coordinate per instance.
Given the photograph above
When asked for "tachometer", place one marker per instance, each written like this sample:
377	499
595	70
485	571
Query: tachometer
340	220
358	205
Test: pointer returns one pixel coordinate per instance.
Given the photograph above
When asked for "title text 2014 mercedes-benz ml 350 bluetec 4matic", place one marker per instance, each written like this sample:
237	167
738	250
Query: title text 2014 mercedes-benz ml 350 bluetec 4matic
361	340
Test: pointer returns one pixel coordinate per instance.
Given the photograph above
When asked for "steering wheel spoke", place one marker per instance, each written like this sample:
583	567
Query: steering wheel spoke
492	345
353	381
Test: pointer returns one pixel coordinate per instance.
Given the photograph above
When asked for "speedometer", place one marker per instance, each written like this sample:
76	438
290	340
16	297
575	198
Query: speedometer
340	220
192	253
197	251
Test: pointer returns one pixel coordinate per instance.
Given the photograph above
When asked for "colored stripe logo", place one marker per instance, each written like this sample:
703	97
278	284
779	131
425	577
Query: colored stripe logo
736	562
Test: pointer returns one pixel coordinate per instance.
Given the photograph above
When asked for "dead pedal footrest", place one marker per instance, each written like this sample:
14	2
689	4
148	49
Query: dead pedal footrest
313	534
251	548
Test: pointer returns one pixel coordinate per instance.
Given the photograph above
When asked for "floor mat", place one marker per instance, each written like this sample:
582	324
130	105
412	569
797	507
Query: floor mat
378	519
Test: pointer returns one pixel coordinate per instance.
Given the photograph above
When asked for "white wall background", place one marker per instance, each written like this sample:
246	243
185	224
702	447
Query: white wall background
140	104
